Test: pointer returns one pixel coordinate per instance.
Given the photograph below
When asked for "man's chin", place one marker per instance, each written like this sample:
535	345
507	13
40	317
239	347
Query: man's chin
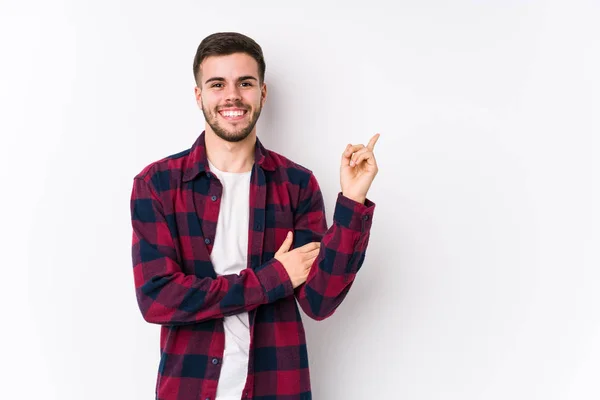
232	137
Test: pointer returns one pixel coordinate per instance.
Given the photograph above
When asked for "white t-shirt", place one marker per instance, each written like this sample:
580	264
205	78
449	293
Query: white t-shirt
229	256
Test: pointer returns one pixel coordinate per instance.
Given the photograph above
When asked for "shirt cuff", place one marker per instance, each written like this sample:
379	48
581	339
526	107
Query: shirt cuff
275	280
352	214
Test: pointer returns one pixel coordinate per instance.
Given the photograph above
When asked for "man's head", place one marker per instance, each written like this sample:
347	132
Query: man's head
229	70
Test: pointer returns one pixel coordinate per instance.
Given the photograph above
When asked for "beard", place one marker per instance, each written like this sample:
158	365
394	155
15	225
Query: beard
239	132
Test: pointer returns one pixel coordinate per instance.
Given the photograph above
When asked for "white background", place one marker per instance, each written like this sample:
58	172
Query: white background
481	279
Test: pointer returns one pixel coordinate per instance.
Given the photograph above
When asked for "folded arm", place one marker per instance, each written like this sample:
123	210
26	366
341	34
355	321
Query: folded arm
166	295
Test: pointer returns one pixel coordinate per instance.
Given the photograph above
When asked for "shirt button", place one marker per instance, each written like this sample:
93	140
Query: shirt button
208	174
258	227
366	217
214	198
215	361
207	241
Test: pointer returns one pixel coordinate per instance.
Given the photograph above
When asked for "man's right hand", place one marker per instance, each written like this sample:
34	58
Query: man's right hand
297	262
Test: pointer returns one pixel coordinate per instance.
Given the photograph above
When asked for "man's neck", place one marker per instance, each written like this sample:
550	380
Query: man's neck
228	156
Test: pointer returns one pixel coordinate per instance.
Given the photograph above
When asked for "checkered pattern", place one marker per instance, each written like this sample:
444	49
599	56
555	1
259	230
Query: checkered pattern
174	208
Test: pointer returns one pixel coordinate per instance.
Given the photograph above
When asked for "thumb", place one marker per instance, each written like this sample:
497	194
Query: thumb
287	243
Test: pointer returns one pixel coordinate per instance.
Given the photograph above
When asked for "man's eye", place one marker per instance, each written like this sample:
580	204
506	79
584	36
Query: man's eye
246	84
216	85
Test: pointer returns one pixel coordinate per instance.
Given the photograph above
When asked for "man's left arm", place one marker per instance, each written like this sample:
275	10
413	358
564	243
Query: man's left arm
342	253
344	244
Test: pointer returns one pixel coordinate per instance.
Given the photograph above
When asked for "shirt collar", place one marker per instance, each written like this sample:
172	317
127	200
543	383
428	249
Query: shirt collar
197	162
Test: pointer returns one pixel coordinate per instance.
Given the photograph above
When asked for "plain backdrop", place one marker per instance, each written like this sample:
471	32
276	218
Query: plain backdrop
481	280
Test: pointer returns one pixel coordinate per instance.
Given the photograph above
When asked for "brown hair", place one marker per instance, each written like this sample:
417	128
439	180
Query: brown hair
226	43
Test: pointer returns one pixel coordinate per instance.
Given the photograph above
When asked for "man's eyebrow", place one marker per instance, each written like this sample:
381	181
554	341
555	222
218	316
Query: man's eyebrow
220	79
215	78
246	77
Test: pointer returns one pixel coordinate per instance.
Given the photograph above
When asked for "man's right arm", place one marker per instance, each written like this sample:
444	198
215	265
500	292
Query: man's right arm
167	296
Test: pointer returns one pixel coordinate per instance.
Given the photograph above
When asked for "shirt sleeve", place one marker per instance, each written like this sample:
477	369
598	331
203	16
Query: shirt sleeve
342	252
166	295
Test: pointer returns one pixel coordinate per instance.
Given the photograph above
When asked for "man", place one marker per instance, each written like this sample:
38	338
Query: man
227	235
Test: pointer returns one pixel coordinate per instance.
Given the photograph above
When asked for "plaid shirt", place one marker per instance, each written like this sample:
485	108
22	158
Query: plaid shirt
174	209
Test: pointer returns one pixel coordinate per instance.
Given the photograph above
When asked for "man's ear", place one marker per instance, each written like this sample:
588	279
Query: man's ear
198	96
263	94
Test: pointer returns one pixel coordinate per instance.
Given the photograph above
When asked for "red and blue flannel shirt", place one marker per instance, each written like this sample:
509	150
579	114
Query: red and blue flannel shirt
174	210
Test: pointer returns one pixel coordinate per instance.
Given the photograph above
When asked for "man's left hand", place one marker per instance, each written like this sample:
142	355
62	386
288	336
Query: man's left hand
358	170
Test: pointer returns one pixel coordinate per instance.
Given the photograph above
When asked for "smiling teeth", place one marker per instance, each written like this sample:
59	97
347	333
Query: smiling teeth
232	113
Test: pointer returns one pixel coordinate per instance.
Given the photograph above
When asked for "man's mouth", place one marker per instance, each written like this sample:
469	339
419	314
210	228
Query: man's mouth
233	114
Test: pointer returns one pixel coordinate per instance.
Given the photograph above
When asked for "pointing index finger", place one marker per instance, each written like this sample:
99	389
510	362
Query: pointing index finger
372	142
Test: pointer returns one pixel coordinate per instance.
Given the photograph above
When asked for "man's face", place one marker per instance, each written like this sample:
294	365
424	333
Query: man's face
230	95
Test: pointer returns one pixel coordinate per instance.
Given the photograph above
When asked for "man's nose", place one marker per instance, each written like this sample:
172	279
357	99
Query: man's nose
233	93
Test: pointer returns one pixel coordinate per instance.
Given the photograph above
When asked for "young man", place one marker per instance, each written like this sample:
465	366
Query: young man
227	235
